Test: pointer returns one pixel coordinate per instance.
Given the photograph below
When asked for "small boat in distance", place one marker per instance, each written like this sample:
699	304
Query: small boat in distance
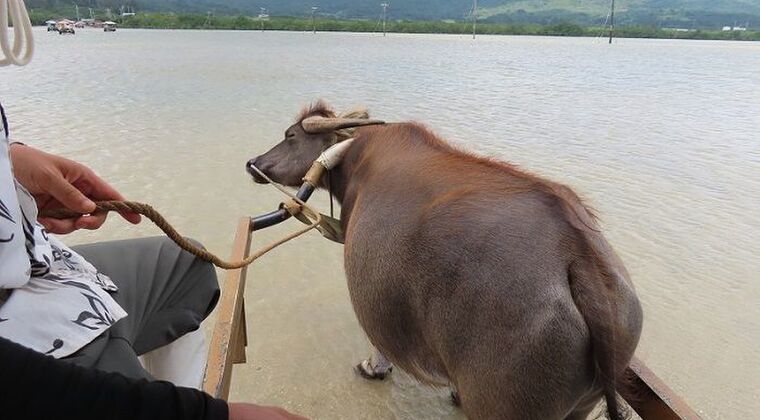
109	26
65	26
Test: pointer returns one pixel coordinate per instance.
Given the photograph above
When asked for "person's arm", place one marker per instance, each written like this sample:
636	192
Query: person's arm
35	386
40	384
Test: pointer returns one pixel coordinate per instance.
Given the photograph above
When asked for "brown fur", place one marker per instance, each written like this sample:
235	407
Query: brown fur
319	107
470	271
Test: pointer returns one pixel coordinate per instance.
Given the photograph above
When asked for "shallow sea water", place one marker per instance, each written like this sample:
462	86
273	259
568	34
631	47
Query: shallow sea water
660	136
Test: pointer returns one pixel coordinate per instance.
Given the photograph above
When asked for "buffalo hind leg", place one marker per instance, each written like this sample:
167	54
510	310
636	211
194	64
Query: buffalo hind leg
586	406
376	367
581	414
455	396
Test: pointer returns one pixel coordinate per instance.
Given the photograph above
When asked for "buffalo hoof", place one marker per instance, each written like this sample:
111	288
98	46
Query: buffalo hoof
455	399
366	371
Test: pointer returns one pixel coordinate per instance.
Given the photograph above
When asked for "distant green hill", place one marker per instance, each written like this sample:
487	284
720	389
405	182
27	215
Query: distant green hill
661	13
680	13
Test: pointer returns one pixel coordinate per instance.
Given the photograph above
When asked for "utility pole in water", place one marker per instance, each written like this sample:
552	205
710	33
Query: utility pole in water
385	14
263	16
474	17
612	20
313	22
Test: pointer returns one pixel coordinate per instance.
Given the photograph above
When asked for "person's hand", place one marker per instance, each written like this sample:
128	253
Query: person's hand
241	411
56	182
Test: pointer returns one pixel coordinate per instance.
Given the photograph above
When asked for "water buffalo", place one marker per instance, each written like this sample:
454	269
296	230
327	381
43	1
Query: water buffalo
468	272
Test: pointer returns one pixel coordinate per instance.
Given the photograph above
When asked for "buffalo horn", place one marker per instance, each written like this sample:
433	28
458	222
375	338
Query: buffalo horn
325	125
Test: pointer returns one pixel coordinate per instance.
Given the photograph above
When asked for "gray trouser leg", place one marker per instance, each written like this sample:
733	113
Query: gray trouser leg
166	292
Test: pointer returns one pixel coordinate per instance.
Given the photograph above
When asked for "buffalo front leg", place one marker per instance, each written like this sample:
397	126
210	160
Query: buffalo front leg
376	367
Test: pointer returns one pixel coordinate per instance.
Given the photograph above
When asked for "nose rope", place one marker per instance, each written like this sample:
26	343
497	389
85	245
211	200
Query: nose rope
294	206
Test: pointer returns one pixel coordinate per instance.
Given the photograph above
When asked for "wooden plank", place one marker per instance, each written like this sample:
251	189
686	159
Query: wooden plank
651	398
229	332
241	337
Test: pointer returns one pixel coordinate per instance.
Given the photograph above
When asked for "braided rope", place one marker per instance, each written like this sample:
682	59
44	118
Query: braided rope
154	216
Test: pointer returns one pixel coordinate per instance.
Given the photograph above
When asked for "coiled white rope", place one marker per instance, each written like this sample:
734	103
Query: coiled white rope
23	40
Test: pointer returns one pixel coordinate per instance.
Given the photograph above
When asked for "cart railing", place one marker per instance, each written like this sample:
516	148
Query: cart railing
230	336
652	399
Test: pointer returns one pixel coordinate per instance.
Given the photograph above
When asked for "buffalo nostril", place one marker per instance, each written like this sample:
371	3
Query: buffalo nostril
249	166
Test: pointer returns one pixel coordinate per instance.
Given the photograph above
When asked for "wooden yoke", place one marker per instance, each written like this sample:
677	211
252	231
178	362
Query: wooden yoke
230	336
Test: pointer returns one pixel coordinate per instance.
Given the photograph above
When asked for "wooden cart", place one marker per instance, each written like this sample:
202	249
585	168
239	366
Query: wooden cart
654	399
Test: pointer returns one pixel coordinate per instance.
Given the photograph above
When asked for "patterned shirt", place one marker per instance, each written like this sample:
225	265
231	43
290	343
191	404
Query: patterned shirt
51	299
